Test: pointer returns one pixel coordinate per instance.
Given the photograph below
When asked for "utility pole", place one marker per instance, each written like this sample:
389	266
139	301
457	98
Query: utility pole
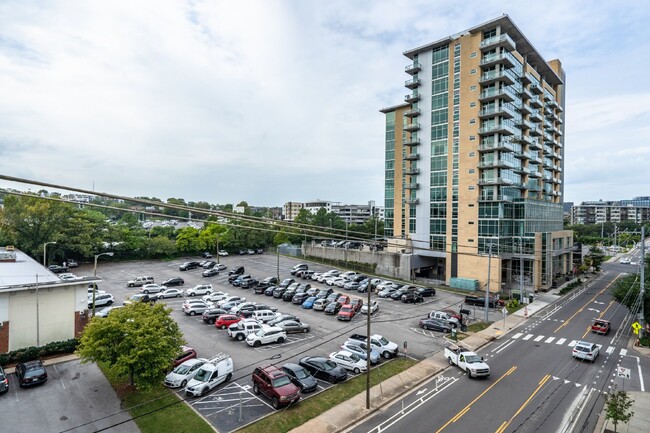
487	291
642	288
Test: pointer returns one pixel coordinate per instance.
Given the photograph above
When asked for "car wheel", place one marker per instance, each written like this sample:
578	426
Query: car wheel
281	340
211	321
223	326
275	403
425	327
191	294
386	355
256	389
109	302
258	343
304	330
445	330
192	313
146	292
331	379
356	370
228	377
204	391
183	383
178	295
450	361
240	337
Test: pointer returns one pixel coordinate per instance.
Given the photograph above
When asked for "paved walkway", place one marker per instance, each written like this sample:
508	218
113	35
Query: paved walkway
354	410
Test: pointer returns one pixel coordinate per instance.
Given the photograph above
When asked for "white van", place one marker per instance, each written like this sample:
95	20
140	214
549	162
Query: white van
264	316
214	372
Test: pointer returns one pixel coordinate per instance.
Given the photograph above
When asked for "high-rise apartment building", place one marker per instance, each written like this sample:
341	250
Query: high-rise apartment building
474	161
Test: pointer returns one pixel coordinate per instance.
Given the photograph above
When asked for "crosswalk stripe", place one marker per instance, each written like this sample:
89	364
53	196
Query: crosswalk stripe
573	343
549	340
610	350
560	341
517	335
539	338
527	337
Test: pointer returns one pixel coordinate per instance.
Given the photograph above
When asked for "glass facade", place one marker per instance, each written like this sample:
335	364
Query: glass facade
389	187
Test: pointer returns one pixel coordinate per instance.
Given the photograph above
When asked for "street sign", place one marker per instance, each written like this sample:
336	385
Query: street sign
623	372
636	326
504	311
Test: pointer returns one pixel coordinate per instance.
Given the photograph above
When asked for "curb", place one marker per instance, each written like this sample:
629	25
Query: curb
48	361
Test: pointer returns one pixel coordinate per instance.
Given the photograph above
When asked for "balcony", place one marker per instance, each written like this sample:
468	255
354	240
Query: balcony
412	186
534	144
535	131
499	128
536	117
490	196
505	93
504	75
413	68
535	158
412	157
503	110
524	108
522	155
536	89
535	173
535	102
503	146
523	124
412	83
412	171
493	59
548	97
499	41
413	201
411	141
412	113
525	93
525	78
496	181
412	97
498	163
410	127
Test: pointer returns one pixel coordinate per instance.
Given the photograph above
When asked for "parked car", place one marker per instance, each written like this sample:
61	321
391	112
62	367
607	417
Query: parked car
209	264
272	281
308	303
104	312
210	272
412	297
215	371
4	382
143	297
361	351
248	283
272	334
286	282
278	292
237	270
72	263
30	373
176	281
101	300
152	288
240	279
225	320
299	267
356	303
199	290
323	368
347	312
320	304
293	327
196	308
57	269
349	361
211	315
207	255
386	293
479	301
444	316
299	298
426	292
373	307
139	281
231	299
215	296
332	308
223	253
189	265
300	377
435	325
283	318
269	291
183	372
170	293
276	385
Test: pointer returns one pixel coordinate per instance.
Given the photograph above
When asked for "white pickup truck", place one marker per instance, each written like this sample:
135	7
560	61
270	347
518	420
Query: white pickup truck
467	360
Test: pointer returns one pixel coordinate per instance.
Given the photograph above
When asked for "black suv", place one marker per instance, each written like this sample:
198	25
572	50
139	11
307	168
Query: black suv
237	270
189	265
31	373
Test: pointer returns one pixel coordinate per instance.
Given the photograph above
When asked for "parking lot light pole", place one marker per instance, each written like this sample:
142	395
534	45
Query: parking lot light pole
45	252
95	275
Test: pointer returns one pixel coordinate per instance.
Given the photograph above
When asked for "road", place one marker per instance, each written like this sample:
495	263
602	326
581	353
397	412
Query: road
535	384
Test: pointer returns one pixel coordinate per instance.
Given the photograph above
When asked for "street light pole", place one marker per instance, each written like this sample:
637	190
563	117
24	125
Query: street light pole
95	275
487	291
45	252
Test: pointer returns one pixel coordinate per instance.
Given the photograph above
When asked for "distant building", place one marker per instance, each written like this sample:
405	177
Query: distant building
350	213
290	210
597	212
36	306
239	209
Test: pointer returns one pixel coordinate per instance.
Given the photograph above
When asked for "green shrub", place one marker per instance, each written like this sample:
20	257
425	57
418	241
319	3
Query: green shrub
31	353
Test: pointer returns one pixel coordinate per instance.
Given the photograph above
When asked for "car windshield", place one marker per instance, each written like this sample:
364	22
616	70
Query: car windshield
472	359
329	365
355	357
182	369
281	381
32	372
301	374
202	375
383	341
582	349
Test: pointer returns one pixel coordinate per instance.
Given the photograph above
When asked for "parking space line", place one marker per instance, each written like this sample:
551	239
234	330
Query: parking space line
58	375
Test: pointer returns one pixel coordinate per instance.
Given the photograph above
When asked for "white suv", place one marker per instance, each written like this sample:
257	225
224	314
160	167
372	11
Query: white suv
585	350
201	289
269	335
101	300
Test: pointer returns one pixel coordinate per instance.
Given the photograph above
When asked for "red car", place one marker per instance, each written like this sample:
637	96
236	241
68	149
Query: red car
186	353
601	326
347	312
223	322
357	304
343	299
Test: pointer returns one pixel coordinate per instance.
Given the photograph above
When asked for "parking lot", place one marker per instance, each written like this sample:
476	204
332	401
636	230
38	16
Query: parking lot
76	398
395	320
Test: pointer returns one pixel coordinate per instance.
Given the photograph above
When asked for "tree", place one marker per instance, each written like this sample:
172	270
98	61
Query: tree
139	340
618	408
595	258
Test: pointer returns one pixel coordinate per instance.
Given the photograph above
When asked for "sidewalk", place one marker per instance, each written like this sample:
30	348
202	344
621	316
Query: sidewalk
354	410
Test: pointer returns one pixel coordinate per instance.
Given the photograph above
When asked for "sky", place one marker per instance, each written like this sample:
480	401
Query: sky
271	101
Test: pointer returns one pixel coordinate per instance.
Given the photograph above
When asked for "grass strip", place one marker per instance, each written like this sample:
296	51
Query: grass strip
287	419
153	409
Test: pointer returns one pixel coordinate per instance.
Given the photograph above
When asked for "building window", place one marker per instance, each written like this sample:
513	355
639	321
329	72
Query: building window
472	104
470	240
472	121
470	222
471	187
472	154
472	171
471	205
472	137
472	55
472	72
472	88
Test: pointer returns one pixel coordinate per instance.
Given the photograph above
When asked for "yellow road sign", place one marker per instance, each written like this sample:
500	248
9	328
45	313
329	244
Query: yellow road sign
636	326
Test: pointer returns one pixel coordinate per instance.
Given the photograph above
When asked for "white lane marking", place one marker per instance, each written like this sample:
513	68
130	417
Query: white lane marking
500	345
508	344
573	343
560	341
549	340
528	337
610	350
623	352
539	338
517	335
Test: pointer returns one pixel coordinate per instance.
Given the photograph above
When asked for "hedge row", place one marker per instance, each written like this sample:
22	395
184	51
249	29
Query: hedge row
31	353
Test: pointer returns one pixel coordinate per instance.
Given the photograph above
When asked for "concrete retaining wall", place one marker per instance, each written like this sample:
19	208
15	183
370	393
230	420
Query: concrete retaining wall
389	264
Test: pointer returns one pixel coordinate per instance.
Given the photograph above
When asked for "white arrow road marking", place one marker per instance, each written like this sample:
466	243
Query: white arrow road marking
556	378
593	309
600	303
421	391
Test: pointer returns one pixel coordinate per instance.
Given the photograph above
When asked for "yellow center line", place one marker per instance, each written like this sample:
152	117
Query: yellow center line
466	408
588	302
542	382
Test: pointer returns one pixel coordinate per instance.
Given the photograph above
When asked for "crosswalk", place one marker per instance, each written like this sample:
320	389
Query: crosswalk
522	336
